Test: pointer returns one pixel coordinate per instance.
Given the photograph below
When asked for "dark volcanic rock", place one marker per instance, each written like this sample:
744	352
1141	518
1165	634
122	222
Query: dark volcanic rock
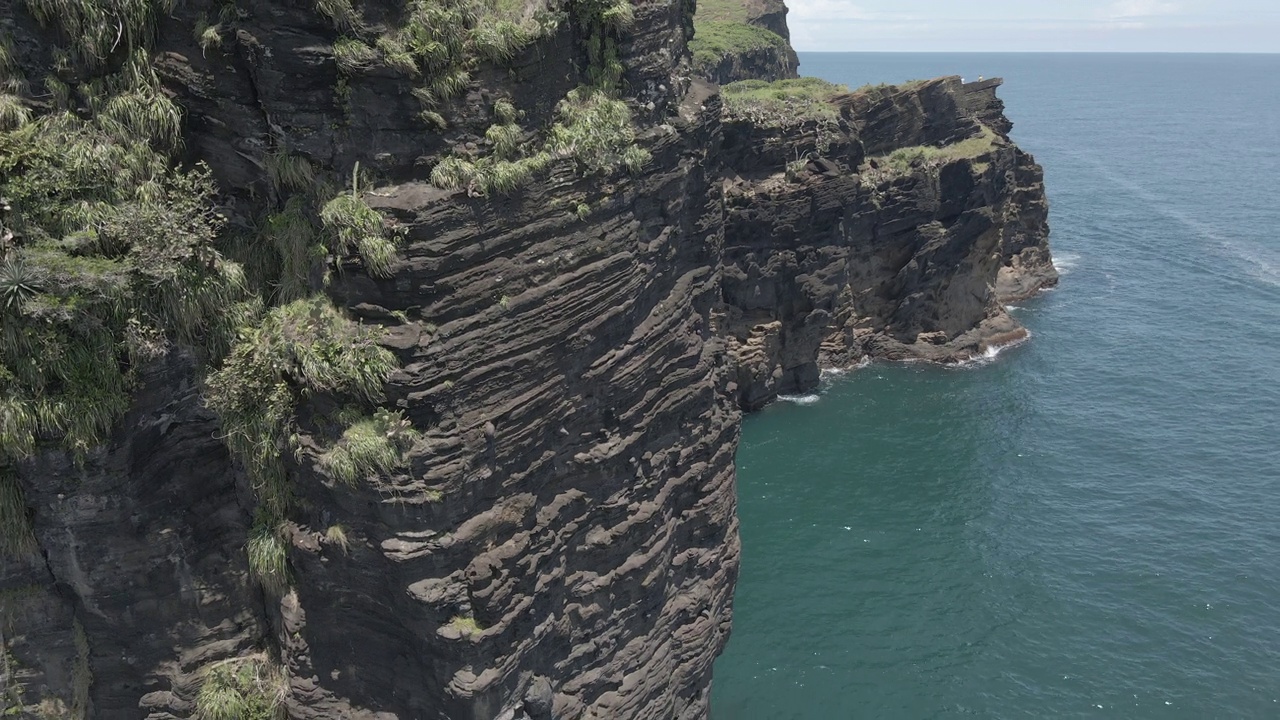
760	63
141	578
564	542
879	258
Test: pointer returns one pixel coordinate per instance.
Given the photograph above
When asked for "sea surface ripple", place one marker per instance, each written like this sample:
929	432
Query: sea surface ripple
1088	525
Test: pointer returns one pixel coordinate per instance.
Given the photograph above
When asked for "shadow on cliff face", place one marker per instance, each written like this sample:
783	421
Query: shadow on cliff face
894	226
562	542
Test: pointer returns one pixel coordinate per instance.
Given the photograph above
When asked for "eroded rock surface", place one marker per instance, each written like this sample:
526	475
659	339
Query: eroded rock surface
862	255
564	541
753	61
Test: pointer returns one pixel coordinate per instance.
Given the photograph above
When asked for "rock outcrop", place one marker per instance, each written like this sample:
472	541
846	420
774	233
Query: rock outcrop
906	224
743	40
563	541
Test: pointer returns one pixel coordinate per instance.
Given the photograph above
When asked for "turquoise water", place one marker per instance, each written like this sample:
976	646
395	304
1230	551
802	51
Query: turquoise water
1089	526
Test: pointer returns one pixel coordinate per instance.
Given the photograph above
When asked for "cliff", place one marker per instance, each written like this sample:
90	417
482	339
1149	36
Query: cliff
472	457
742	40
889	222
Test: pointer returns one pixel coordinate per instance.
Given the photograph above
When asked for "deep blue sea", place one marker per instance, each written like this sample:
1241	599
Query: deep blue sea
1089	525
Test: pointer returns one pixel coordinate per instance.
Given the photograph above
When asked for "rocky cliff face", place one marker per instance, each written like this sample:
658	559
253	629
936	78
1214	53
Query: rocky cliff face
900	230
562	542
742	40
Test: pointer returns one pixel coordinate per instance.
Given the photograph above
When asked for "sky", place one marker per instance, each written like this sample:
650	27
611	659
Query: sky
1035	25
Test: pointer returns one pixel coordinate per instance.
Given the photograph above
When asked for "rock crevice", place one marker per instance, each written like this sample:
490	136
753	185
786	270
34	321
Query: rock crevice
576	354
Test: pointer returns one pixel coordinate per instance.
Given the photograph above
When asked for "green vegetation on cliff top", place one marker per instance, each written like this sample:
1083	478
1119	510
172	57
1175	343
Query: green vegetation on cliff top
713	41
593	125
721	11
782	101
722	28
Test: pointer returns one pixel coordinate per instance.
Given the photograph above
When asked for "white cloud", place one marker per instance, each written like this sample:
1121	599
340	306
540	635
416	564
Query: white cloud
827	10
1135	9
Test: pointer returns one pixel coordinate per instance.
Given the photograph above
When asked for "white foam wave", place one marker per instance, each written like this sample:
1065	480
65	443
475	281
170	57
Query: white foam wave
799	399
1064	263
989	355
835	372
1261	268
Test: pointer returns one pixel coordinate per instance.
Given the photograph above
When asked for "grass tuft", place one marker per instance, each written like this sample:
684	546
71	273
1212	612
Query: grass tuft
288	172
242	689
208	36
353	56
371	446
594	129
782	102
465	624
16	537
337	535
98	29
352	224
342	14
13	114
505	112
503	138
267	553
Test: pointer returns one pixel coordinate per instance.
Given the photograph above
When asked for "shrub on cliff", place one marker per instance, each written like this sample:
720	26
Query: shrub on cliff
370	446
116	260
304	348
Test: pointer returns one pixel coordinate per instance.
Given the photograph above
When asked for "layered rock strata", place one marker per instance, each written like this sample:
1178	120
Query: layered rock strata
743	40
910	221
563	542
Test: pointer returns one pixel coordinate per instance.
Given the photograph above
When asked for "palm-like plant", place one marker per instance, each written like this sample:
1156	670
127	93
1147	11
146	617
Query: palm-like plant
18	283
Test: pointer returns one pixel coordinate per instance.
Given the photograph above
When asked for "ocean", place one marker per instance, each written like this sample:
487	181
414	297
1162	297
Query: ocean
1088	525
